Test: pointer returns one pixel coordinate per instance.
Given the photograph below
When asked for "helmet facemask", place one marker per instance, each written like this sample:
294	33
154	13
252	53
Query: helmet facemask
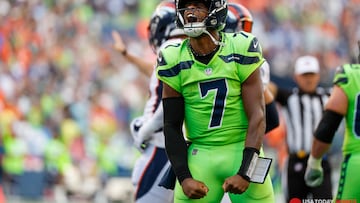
194	28
215	19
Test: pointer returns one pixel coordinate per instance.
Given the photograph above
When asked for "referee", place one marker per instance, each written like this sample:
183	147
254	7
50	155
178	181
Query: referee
302	108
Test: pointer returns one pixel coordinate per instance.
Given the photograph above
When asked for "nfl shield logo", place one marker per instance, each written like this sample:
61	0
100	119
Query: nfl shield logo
208	71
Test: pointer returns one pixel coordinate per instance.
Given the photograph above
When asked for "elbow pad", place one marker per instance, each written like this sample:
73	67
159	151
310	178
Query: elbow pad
328	125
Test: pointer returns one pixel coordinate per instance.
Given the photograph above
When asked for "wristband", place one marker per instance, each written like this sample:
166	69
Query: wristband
124	52
250	157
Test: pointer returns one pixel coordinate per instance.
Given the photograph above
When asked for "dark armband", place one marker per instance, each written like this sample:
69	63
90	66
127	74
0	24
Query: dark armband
328	125
272	116
250	157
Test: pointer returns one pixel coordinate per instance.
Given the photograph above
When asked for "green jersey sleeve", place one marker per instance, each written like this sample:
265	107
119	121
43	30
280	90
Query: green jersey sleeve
170	62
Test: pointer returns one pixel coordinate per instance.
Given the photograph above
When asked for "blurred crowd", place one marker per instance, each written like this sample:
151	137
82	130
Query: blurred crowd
65	101
328	30
66	98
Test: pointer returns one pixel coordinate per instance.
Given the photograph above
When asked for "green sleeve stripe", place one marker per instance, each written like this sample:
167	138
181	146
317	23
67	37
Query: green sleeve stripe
175	70
241	59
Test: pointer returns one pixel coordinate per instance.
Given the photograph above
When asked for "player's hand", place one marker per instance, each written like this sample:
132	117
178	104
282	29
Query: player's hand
314	174
313	177
235	184
139	142
194	189
118	42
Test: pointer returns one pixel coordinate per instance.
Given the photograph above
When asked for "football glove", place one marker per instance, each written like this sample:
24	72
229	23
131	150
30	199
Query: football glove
140	142
314	174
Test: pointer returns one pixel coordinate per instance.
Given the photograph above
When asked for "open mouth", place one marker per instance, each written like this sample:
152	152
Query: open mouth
191	18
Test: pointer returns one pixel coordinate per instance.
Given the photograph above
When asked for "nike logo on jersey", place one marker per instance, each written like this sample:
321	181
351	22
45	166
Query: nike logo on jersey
254	46
160	60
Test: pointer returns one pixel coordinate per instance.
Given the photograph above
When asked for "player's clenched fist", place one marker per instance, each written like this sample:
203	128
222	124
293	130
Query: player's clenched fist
235	184
194	189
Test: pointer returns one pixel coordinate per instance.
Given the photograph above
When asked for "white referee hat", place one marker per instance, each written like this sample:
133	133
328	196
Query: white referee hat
307	64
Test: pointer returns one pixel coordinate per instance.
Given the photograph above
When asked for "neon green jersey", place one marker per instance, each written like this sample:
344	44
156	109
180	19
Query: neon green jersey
348	79
214	112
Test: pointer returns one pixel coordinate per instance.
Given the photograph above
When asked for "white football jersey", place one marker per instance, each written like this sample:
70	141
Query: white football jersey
153	113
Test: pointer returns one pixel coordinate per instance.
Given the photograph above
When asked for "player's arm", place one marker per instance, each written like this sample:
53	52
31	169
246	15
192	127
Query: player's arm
154	123
176	148
253	101
144	66
255	109
149	127
335	109
272	117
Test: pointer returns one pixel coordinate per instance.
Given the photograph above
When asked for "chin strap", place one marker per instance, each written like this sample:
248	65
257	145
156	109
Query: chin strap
197	29
213	39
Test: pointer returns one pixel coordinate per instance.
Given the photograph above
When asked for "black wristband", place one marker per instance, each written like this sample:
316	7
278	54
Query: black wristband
124	52
248	163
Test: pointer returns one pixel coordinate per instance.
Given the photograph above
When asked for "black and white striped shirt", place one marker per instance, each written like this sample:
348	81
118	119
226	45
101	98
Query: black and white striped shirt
302	112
